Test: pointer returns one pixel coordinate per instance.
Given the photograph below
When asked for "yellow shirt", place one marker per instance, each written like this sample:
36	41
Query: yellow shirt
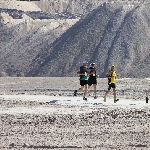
113	77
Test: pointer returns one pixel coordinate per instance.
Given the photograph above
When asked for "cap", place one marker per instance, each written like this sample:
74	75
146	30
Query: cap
113	65
85	62
92	63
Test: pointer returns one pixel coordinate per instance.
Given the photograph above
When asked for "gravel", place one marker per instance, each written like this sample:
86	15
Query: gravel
103	128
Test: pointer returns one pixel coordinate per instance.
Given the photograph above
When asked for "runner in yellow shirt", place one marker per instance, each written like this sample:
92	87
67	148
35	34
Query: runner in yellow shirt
111	75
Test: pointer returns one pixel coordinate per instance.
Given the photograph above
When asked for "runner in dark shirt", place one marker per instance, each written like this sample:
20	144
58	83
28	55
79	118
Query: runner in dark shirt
92	78
83	73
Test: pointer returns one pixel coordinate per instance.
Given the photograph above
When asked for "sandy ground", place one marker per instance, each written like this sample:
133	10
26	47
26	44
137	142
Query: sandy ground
27	122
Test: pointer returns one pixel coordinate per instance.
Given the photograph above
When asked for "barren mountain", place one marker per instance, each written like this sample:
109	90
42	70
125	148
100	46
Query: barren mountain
72	6
77	6
24	35
37	43
111	34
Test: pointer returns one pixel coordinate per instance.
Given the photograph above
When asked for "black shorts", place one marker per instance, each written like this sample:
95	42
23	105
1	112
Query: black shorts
83	82
92	81
112	85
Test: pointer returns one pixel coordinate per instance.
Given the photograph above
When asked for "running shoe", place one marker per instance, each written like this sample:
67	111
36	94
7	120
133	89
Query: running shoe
104	98
116	100
95	97
84	98
75	93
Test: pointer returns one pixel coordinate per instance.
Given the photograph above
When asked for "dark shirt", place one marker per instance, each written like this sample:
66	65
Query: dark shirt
92	70
83	69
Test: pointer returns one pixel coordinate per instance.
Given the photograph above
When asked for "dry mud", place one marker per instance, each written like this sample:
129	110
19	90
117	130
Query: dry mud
103	129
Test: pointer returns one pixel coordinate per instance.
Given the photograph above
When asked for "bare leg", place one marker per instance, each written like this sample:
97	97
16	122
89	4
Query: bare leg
114	92
80	89
94	85
148	93
89	87
106	93
86	90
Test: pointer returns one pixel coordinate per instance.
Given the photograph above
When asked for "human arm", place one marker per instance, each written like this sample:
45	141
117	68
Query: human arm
109	74
79	73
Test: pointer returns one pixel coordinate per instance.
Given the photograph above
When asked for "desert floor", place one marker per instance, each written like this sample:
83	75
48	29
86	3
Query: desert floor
28	122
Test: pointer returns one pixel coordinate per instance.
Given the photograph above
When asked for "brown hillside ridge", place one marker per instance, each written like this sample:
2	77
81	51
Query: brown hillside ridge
111	34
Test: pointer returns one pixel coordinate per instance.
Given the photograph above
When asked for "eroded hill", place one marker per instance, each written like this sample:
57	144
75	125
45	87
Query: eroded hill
37	43
111	34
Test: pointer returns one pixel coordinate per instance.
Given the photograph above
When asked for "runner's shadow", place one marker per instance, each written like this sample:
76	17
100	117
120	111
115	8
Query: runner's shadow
52	102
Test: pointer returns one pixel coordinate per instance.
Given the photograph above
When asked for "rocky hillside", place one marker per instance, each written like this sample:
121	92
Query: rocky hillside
72	6
37	43
77	6
20	5
111	34
24	35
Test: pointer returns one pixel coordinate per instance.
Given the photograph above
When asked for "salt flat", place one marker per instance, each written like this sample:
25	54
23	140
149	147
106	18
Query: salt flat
41	113
77	102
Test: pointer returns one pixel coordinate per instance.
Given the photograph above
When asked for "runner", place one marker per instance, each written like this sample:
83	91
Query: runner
83	73
92	78
147	97
111	75
108	75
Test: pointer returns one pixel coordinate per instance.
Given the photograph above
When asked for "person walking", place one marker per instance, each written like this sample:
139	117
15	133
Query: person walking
92	78
111	75
83	73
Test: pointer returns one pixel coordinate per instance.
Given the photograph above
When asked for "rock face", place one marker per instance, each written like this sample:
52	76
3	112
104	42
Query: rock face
3	74
36	43
72	6
77	6
24	35
111	34
20	5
